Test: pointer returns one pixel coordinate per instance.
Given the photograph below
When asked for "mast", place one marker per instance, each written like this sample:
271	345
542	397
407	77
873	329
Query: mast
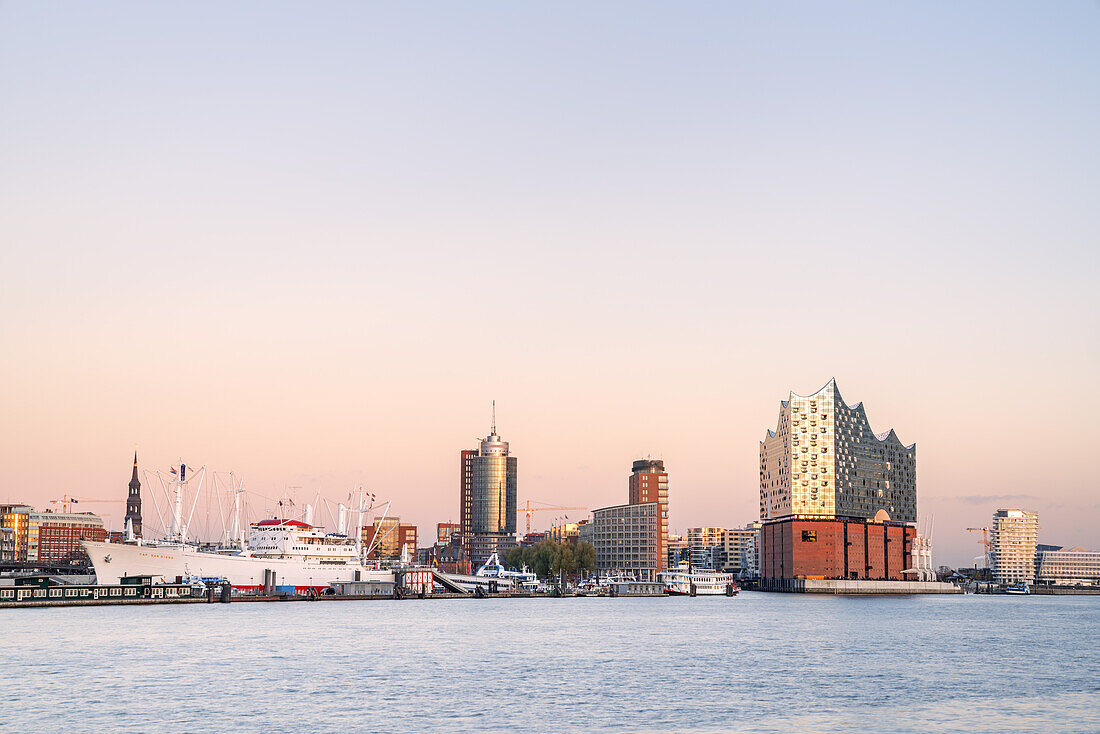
359	527
176	532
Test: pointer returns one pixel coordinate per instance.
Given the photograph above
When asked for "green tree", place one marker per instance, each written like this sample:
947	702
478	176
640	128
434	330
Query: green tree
584	559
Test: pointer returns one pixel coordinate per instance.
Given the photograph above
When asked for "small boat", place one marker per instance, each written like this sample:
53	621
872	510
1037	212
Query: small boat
1019	589
688	581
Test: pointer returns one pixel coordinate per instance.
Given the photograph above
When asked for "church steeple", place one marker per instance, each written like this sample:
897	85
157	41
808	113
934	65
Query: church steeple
133	501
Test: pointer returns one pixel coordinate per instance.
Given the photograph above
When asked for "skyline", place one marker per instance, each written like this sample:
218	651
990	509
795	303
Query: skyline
312	248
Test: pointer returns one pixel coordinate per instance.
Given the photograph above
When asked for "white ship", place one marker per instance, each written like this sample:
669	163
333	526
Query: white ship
688	581
297	553
492	575
278	551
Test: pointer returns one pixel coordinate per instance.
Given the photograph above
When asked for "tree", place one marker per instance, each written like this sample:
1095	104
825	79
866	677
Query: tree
584	559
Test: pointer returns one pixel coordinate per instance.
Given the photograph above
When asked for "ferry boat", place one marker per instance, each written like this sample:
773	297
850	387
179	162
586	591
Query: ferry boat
297	553
688	581
1020	588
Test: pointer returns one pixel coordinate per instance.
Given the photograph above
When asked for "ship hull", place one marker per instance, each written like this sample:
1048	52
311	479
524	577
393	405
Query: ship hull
112	561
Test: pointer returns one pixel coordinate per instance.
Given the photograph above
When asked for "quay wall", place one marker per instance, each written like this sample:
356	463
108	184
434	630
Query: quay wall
850	586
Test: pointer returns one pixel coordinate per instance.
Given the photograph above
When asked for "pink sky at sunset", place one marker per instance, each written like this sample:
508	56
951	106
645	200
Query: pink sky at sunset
311	249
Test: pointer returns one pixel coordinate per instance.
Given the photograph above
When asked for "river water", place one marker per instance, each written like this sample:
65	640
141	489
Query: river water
757	662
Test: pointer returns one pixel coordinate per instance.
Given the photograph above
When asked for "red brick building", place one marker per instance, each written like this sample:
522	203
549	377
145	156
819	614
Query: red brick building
445	530
837	548
648	482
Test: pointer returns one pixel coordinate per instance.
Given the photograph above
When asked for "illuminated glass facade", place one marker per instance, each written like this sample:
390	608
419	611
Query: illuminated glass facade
493	489
488	498
823	460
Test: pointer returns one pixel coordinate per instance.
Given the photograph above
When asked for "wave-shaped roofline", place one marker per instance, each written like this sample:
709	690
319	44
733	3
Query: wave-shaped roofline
858	407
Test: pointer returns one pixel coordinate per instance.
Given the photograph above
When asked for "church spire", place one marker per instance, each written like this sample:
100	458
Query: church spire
133	502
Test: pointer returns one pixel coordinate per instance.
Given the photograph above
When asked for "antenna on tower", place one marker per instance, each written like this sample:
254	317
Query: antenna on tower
494	417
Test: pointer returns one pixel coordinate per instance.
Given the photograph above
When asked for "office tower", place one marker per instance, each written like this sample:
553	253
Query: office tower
488	498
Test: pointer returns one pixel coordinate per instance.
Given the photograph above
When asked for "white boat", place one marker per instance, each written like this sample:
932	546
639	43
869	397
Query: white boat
1020	588
297	553
493	574
688	581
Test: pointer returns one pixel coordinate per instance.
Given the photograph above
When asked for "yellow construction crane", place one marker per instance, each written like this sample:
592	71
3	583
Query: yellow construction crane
529	509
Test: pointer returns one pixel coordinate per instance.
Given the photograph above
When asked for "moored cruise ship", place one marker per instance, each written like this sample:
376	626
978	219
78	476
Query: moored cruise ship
688	581
299	554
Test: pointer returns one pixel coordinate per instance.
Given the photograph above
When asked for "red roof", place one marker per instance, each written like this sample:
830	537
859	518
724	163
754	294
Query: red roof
294	523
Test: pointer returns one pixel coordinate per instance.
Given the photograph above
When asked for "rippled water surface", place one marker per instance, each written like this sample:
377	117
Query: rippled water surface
756	662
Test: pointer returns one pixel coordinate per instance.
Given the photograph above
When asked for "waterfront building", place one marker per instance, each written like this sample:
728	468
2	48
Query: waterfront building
648	482
704	546
1074	566
633	538
49	538
133	503
823	460
1012	540
737	550
488	498
676	550
824	475
13	518
836	548
627	539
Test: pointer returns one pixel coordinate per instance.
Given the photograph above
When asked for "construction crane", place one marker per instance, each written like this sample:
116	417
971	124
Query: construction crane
985	542
66	502
529	509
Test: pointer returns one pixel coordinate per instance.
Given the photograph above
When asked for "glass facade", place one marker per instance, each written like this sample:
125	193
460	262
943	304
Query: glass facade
824	460
493	495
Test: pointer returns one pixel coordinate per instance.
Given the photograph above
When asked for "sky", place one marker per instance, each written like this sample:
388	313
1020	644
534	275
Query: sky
309	244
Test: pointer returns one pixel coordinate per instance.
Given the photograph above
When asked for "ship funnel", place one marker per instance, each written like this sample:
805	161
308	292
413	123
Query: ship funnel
341	518
309	514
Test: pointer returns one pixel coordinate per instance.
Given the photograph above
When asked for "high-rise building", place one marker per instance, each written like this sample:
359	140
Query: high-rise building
133	502
634	537
823	460
488	498
648	482
837	500
1012	540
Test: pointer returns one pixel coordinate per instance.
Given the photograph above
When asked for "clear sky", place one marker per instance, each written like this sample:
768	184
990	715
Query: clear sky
310	243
